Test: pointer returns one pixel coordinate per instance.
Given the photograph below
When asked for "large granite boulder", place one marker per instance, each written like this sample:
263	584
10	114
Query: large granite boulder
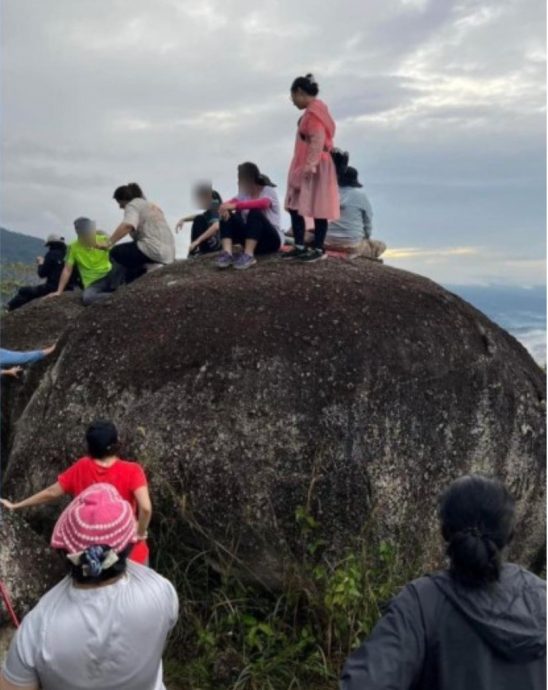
28	567
352	390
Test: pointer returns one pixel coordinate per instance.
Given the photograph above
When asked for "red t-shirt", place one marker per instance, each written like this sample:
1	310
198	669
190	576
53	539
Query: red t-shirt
125	476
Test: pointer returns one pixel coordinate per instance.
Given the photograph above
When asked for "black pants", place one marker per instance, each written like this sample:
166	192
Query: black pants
255	227
199	225
131	258
299	229
28	293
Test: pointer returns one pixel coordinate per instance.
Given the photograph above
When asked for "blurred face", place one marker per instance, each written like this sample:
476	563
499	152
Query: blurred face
203	199
245	186
87	238
300	99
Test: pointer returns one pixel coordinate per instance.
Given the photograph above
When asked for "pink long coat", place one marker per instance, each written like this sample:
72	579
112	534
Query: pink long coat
312	187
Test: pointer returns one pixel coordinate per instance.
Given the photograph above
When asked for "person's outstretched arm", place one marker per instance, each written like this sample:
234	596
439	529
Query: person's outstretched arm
52	493
393	656
121	231
144	505
185	219
12	358
63	281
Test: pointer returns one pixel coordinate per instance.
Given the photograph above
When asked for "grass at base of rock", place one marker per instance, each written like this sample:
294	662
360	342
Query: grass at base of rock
233	635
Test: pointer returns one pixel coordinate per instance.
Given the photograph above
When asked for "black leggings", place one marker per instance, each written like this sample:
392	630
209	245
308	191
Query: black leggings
299	228
28	293
255	227
131	258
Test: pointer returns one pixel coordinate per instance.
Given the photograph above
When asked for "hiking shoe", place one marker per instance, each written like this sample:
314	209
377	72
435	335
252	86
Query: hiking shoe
225	260
294	253
312	255
244	261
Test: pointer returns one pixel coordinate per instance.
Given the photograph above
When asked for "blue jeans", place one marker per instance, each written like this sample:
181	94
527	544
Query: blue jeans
10	358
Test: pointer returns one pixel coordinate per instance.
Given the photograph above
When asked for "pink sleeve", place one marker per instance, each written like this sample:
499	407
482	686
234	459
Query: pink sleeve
262	203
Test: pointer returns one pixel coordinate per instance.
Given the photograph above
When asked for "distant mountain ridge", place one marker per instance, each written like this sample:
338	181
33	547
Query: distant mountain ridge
18	248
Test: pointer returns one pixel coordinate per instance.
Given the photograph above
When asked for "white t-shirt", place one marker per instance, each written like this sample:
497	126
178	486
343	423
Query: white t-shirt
106	638
151	231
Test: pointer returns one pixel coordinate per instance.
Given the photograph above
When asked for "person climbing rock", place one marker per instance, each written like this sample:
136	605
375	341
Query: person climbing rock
312	189
11	361
204	235
105	625
251	219
99	276
481	624
153	241
49	267
102	465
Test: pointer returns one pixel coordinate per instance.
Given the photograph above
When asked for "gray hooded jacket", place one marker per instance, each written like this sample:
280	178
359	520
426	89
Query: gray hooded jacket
439	635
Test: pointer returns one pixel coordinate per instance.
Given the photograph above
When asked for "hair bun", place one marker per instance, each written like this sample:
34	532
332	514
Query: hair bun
311	78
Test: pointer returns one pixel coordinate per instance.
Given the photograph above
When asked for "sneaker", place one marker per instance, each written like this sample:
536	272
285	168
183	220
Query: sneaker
312	255
225	260
244	261
295	253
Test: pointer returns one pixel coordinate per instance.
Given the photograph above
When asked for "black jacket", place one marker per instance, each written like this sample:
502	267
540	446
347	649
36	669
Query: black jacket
438	635
54	262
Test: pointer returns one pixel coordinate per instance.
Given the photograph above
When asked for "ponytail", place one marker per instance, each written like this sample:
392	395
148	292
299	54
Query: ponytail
475	558
477	518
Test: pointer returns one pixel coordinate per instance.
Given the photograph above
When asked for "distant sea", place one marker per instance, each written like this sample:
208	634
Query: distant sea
520	311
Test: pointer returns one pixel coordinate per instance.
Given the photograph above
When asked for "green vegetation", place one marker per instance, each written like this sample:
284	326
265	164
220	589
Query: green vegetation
233	635
13	276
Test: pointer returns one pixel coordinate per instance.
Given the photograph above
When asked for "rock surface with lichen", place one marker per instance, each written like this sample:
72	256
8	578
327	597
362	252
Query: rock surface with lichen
354	391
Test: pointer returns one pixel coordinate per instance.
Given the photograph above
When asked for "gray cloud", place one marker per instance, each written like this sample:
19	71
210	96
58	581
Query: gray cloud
441	105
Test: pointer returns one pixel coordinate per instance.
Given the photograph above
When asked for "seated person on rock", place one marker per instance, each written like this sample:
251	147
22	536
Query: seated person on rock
351	233
204	236
99	276
152	239
479	625
105	625
251	219
102	464
49	268
11	362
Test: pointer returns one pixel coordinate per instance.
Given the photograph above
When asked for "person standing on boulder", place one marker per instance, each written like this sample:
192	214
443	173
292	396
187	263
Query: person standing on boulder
481	624
312	190
251	219
102	464
153	241
99	276
105	625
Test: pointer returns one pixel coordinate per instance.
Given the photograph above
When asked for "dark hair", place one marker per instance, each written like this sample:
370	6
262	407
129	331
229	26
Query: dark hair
128	192
251	172
340	159
307	84
102	439
80	572
215	196
477	521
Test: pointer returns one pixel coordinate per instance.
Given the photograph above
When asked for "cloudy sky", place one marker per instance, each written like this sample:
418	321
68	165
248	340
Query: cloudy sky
440	103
